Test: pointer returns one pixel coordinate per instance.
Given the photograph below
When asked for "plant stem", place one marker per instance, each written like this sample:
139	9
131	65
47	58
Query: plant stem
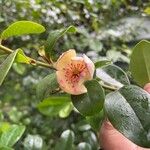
35	62
7	50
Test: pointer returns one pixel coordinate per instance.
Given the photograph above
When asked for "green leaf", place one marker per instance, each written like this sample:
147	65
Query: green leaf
5	148
140	64
66	141
52	105
21	28
19	68
88	103
33	142
112	75
91	138
47	86
2	53
84	146
53	37
128	109
147	10
6	65
96	120
22	58
4	126
66	110
102	63
12	135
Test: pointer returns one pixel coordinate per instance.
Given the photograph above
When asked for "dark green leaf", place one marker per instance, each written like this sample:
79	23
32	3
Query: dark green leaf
128	109
52	105
112	75
12	135
102	63
96	120
84	146
46	86
91	138
91	102
53	37
66	141
6	65
22	27
140	63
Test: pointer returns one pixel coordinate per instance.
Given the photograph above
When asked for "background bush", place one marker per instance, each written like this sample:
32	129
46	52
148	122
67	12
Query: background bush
106	29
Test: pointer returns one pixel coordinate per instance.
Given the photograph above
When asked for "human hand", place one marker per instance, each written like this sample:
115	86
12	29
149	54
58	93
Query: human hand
111	139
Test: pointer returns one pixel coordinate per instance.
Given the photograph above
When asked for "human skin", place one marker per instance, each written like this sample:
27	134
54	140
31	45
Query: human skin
111	139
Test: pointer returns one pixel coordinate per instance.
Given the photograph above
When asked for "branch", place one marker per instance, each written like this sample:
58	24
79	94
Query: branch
35	62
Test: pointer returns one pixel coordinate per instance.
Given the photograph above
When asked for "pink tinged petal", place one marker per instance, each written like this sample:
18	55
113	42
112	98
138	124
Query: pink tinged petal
73	72
65	59
66	85
90	65
77	59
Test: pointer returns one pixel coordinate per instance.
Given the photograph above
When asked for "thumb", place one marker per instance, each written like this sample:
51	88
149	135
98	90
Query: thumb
111	139
147	87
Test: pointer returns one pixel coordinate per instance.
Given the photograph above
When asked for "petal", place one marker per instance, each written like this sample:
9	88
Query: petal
81	66
90	65
65	59
74	89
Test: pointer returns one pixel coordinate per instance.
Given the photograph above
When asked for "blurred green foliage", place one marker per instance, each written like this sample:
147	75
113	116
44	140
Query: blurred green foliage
106	29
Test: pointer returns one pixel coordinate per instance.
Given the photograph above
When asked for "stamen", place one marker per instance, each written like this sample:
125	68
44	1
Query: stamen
73	72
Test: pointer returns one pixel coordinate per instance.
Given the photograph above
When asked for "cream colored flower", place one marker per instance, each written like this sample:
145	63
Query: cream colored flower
73	71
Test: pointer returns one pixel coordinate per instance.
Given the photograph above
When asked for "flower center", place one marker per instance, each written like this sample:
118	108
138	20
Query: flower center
76	72
73	72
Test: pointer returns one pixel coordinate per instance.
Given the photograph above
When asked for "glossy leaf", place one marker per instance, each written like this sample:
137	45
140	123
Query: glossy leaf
53	37
128	109
21	28
91	102
19	68
102	63
12	135
6	65
112	75
52	105
66	141
46	86
66	110
140	64
22	58
84	146
96	120
33	142
91	138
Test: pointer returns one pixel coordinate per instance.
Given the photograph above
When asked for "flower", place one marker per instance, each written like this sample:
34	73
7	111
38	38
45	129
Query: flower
73	71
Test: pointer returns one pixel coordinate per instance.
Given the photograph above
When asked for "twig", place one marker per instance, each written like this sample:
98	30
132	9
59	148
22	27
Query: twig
33	62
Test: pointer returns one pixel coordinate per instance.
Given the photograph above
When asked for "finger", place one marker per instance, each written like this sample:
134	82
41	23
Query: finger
111	139
147	87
